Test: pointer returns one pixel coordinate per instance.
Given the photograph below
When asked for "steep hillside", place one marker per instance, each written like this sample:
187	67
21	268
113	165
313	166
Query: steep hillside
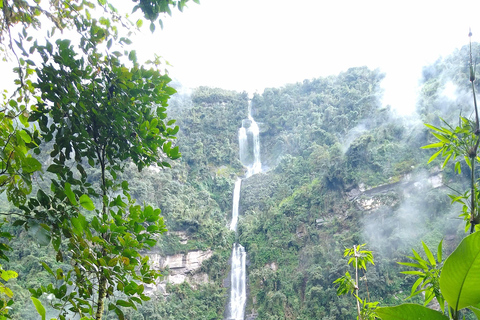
339	169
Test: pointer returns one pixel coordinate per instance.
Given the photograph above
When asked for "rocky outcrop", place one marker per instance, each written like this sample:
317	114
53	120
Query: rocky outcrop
368	199
179	268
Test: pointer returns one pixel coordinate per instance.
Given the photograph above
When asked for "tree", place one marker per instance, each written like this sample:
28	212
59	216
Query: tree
100	108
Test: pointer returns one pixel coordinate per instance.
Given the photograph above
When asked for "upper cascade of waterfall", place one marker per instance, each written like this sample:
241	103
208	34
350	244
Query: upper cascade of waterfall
255	166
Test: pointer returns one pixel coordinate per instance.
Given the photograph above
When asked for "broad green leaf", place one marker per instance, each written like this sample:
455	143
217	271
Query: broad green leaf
78	224
70	194
409	311
9	274
40	308
86	202
25	136
31	165
460	277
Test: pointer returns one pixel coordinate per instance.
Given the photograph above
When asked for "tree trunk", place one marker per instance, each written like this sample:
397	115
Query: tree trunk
102	293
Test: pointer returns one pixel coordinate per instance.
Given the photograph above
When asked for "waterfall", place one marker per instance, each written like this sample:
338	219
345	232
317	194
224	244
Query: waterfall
243	144
238	272
238	291
257	164
236	200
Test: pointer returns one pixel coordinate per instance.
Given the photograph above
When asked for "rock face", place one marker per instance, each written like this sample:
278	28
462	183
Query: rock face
180	268
371	199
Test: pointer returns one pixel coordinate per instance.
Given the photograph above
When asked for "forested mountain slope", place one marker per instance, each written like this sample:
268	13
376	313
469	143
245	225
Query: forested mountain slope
339	169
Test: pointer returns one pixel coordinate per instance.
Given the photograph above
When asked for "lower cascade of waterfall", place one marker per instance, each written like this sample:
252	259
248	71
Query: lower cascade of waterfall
238	291
238	270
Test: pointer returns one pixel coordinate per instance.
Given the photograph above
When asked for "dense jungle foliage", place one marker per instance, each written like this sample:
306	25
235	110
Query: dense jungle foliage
340	169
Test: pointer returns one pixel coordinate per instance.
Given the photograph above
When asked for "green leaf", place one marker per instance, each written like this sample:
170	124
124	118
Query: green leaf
152	27
433	145
460	277
31	165
86	202
124	303
43	198
458	168
439	252
39	233
434	156
46	267
40	308
25	136
55	168
9	274
139	23
409	311
70	194
441	138
476	310
429	254
78	224
418	273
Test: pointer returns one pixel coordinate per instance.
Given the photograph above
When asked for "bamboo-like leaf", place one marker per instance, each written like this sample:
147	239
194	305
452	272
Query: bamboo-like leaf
417	273
433	127
435	155
439	252
433	145
446	160
409	311
460	277
458	168
415	286
429	254
441	138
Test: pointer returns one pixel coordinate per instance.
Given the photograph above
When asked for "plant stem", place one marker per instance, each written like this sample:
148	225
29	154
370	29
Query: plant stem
356	281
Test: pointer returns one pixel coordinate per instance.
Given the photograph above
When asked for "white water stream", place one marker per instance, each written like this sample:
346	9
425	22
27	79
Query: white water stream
238	272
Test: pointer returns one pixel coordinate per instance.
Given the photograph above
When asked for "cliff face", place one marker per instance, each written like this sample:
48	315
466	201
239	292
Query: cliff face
178	268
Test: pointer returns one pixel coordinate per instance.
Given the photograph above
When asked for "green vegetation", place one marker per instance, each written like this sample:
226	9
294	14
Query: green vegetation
342	170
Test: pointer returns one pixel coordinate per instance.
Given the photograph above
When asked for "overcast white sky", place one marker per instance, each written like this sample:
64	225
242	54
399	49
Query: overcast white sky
248	45
253	44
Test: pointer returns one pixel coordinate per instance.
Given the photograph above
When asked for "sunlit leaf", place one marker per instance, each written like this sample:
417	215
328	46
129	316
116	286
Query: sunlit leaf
40	308
460	277
86	202
409	311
